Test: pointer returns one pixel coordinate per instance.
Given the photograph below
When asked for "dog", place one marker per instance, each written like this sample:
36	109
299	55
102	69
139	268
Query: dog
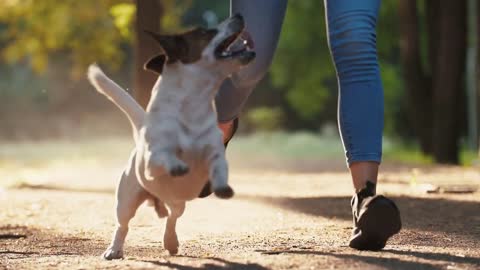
178	145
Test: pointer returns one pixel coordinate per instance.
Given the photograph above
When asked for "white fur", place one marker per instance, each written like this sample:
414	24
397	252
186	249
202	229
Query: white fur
107	87
178	144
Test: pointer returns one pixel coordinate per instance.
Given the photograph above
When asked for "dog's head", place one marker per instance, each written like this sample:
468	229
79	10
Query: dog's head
210	49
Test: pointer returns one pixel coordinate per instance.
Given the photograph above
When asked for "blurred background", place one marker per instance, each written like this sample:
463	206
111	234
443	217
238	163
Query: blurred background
428	52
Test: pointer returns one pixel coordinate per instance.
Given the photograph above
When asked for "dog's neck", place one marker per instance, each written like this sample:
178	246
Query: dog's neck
190	80
187	91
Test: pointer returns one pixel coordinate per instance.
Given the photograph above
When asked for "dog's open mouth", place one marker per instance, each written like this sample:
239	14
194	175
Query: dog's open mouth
233	46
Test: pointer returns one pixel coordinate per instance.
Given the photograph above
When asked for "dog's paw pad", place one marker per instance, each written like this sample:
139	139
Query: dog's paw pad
111	254
179	170
224	192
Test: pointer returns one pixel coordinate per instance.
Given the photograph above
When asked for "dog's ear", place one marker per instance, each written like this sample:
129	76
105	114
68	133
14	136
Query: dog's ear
174	46
155	64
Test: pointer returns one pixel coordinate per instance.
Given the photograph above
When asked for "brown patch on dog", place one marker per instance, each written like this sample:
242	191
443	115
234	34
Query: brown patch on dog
186	47
155	63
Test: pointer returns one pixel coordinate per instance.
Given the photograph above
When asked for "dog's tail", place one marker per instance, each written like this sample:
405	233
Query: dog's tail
104	85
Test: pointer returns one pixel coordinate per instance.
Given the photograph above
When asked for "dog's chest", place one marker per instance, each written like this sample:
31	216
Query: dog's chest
196	136
180	188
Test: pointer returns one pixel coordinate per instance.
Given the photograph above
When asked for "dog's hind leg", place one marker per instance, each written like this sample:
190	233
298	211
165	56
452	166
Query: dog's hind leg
160	208
130	195
170	240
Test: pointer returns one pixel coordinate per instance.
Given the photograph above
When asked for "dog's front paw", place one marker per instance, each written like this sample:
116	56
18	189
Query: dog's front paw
224	192
178	169
171	244
160	163
173	251
112	254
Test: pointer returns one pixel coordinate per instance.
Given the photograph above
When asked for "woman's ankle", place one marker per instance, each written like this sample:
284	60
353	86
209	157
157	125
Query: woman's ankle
363	172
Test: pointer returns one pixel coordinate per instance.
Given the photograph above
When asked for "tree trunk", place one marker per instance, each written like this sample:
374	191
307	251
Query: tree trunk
433	32
418	86
148	15
471	75
478	73
449	67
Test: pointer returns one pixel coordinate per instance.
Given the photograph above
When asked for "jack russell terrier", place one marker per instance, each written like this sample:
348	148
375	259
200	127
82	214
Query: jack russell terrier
179	146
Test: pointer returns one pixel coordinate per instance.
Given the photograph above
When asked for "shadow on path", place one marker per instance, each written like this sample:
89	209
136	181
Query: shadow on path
396	263
39	244
435	256
451	221
223	264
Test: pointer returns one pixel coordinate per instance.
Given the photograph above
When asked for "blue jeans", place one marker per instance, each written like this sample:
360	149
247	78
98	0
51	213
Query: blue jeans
351	27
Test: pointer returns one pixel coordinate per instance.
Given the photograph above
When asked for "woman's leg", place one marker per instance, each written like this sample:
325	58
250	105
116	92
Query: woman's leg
352	39
264	21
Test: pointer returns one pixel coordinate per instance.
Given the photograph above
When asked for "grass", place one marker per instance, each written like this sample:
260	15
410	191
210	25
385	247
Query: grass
411	154
44	153
287	146
72	162
275	146
469	157
40	162
394	151
307	145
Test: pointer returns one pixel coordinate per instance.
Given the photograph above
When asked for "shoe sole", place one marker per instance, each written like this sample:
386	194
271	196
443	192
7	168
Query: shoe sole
378	223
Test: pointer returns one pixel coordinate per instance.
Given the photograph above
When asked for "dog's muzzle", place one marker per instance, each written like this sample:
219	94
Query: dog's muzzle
234	46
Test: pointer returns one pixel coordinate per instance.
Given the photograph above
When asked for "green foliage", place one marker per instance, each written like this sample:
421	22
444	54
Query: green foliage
469	157
395	150
265	118
303	64
172	15
84	30
388	44
303	69
123	15
393	96
292	147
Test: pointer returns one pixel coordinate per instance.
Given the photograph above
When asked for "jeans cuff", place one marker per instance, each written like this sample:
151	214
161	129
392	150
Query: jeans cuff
373	157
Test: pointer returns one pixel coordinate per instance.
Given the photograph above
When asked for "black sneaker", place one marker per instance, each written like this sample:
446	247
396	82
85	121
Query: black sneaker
206	191
375	219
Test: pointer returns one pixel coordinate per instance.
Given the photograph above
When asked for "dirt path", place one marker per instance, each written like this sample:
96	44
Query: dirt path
276	221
